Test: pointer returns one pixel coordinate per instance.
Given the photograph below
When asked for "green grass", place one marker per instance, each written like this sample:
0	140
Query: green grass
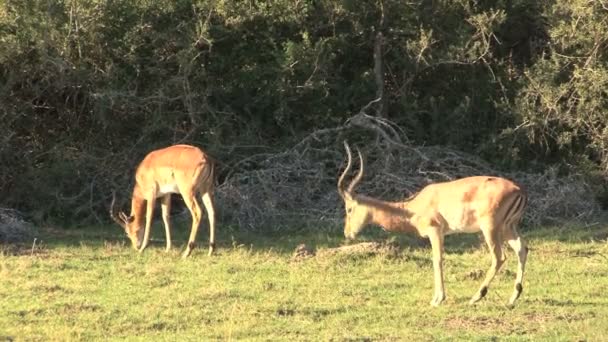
90	285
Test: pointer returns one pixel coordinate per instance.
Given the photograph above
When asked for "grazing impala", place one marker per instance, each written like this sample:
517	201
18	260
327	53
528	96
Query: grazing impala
491	205
179	169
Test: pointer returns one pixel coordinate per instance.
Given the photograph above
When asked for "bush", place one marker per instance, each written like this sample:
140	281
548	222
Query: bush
89	87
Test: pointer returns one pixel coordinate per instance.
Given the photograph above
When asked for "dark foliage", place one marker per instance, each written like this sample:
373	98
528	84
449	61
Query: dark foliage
87	88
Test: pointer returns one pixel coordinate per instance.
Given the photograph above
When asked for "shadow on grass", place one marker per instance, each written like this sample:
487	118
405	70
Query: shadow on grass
568	303
285	242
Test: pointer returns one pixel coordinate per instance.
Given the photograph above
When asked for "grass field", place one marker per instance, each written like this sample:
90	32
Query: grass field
90	285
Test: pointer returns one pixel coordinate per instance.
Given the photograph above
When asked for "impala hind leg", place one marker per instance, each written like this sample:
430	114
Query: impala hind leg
197	214
166	210
210	208
437	239
521	250
494	240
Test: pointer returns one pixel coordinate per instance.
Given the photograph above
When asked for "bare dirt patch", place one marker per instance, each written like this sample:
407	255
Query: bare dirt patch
534	321
364	248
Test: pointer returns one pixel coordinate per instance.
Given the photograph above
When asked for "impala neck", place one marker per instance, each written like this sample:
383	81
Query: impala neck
138	207
391	216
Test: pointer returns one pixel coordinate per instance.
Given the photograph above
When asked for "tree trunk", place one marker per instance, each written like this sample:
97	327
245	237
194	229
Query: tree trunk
379	64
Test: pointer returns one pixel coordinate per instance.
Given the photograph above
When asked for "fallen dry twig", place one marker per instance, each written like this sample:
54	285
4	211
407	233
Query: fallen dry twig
303	251
297	187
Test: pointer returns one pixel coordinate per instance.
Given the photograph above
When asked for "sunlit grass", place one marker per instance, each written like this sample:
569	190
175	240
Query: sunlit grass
89	284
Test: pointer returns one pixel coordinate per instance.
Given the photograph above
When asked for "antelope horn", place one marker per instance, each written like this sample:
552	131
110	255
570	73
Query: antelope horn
341	190
359	175
120	220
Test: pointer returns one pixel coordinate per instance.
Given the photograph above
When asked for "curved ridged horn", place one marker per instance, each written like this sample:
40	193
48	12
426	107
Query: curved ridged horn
359	175
120	220
341	190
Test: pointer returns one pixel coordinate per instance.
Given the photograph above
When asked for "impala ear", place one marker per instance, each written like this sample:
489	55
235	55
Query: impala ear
125	218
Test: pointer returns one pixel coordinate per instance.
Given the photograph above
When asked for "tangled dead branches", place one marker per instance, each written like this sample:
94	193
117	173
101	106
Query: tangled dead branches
13	228
297	187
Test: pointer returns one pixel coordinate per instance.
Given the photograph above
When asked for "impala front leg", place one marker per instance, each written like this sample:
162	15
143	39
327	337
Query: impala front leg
436	238
149	217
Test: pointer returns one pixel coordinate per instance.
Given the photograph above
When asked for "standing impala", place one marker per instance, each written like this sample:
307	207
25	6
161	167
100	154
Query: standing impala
491	205
178	169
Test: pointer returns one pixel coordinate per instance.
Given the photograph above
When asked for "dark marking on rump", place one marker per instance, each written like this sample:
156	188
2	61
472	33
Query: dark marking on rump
483	292
514	206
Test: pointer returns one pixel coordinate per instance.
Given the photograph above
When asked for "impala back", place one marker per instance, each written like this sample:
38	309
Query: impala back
169	167
468	204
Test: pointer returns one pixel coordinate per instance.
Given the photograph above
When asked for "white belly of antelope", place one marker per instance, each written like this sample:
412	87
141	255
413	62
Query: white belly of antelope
168	189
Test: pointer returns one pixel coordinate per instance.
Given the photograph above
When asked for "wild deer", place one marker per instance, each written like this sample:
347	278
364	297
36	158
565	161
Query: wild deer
491	205
178	169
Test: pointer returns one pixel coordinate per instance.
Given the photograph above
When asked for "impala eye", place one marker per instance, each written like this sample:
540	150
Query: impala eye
349	210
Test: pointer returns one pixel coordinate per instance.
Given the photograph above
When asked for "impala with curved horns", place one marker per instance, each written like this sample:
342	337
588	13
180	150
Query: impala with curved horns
491	205
178	169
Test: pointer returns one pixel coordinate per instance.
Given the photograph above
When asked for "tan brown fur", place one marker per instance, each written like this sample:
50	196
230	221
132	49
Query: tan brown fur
182	169
491	205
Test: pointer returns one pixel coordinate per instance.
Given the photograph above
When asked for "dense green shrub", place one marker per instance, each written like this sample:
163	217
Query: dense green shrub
87	87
